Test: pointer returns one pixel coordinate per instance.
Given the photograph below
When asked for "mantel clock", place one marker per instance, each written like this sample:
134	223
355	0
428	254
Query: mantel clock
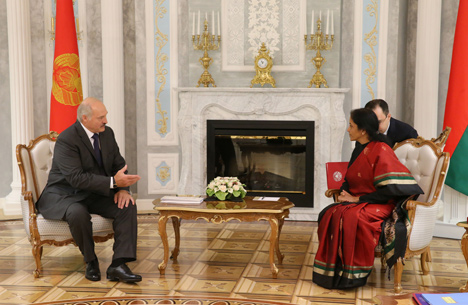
263	65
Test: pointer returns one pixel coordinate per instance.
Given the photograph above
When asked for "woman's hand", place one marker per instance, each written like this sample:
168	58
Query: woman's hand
347	197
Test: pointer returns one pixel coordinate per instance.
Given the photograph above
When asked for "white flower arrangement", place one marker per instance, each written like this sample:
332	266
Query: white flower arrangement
225	188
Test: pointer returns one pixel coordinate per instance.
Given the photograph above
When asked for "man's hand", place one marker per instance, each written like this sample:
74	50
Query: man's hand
122	198
347	197
123	180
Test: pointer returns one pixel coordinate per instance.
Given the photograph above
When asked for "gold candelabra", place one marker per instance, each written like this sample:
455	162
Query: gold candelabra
319	42
206	42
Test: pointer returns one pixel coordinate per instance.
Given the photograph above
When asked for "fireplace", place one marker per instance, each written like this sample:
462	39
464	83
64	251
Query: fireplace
272	158
323	106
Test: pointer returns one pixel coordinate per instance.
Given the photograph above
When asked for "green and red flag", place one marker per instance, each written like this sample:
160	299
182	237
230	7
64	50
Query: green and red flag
456	106
67	93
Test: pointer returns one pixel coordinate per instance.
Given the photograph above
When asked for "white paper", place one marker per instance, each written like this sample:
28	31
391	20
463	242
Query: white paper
266	198
182	199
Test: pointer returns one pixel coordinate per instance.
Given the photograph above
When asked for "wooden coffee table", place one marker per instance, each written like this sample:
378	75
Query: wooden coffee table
223	211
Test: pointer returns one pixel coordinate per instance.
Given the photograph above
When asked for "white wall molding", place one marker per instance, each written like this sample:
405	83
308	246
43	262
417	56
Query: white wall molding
21	99
427	67
113	67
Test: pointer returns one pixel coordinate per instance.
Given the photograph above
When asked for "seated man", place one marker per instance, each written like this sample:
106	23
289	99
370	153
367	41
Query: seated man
88	176
395	130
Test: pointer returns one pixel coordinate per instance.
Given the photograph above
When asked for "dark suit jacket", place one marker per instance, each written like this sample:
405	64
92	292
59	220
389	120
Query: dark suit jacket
400	131
75	172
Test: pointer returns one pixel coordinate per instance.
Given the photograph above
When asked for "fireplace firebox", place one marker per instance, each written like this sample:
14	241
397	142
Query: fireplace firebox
272	158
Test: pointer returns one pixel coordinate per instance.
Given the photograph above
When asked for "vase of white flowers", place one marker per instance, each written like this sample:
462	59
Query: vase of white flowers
226	188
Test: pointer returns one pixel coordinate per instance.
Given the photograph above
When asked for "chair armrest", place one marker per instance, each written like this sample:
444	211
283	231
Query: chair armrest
30	217
29	198
411	206
332	193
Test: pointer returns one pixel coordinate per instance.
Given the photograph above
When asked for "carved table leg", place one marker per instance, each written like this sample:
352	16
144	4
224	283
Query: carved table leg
464	247
278	252
273	241
176	224
162	232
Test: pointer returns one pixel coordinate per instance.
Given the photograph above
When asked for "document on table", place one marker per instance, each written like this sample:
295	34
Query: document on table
266	198
182	199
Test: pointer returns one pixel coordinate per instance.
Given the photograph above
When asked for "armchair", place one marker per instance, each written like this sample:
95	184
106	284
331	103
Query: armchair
428	164
34	162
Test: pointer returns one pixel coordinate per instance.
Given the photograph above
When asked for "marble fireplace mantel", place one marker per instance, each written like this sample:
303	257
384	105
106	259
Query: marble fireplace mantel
324	106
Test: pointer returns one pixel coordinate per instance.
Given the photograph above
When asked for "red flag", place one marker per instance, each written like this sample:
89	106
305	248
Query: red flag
67	93
456	106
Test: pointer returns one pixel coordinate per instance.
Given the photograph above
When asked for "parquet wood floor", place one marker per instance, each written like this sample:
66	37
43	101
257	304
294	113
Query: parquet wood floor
227	260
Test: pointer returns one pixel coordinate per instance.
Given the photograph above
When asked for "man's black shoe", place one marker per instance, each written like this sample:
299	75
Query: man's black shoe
92	271
122	273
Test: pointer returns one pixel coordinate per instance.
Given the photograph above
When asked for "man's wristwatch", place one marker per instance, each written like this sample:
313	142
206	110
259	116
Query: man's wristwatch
114	185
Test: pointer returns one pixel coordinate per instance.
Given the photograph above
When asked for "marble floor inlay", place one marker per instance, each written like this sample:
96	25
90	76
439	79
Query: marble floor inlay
227	260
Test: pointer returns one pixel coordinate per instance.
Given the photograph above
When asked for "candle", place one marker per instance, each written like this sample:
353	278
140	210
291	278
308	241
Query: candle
312	24
212	23
320	17
52	22
198	28
219	29
77	25
193	25
328	21
332	31
206	16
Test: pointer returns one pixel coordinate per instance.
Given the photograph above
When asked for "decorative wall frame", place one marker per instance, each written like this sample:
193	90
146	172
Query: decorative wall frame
161	55
370	50
163	173
244	28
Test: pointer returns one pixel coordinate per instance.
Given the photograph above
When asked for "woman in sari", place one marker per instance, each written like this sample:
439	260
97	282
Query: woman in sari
375	187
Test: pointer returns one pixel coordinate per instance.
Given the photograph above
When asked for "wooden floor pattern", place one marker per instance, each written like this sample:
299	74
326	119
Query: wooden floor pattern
227	260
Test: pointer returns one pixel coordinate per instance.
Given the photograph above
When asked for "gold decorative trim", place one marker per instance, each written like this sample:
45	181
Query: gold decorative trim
164	173
371	40
161	59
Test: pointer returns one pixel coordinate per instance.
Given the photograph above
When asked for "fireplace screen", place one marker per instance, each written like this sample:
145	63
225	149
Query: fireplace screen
272	158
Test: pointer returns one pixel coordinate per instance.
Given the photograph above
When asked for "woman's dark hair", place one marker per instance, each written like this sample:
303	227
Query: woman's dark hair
365	119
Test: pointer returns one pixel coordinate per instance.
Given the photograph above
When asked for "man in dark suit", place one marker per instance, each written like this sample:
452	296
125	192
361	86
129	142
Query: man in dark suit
89	175
395	130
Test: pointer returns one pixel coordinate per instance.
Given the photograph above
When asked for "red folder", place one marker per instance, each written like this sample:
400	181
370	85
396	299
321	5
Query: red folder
336	172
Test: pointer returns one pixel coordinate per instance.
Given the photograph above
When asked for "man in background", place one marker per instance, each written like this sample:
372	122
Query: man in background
89	176
395	130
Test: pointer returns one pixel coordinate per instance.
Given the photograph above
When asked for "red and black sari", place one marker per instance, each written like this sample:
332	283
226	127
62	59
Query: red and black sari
349	232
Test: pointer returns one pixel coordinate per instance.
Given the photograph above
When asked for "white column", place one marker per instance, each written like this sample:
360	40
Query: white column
113	67
455	205
427	67
21	98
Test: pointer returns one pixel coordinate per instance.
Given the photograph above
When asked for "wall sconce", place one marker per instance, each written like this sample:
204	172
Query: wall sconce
78	32
52	29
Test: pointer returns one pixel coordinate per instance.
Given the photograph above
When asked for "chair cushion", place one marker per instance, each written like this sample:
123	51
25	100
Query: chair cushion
421	162
59	230
41	155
